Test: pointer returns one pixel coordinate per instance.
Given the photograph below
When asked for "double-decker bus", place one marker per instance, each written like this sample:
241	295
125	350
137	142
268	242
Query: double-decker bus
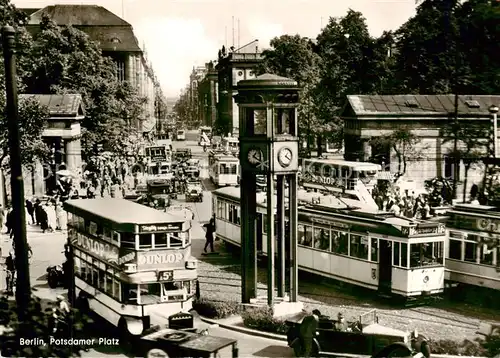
345	240
132	263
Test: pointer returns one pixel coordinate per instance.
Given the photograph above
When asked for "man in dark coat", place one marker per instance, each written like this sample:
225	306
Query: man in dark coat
36	208
31	211
9	222
308	329
209	235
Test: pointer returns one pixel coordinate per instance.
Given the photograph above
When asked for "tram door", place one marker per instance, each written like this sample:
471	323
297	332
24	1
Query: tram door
259	228
385	266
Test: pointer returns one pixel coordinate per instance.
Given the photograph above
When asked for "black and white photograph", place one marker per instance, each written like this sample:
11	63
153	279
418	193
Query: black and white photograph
223	179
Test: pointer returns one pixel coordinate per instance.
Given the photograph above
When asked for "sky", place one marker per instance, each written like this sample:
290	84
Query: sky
180	34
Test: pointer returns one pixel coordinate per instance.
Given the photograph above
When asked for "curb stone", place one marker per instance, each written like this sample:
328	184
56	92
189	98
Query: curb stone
280	337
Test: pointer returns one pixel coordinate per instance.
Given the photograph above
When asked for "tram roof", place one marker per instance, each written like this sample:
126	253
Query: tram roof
360	166
120	211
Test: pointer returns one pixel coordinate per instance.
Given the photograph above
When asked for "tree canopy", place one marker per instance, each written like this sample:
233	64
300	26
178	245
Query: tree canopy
68	61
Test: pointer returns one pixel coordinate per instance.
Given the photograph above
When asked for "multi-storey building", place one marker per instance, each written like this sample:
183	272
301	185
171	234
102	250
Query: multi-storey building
195	78
117	40
233	66
207	96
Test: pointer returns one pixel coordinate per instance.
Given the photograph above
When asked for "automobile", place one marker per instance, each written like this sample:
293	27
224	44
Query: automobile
194	192
365	337
160	341
183	154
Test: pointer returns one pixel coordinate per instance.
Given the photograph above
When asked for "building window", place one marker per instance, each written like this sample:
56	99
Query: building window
120	70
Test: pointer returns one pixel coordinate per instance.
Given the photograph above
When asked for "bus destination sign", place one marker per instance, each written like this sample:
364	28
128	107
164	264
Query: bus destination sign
161	227
103	250
160	259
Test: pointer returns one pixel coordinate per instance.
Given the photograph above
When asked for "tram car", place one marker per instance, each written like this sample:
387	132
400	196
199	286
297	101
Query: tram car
473	253
345	240
223	169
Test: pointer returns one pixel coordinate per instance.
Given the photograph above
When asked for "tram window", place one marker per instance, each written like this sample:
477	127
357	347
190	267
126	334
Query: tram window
145	241
78	265
374	253
396	253
128	240
321	239
161	240
219	209
301	230
422	255
404	255
486	255
234	169
150	293
470	251
109	284
455	249
438	252
264	228
359	247
340	242
70	218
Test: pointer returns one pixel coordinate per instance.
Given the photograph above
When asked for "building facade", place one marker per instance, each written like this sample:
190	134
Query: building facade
231	68
426	117
195	78
207	96
117	40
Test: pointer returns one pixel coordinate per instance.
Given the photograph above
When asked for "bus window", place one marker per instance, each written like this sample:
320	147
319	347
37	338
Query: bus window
128	240
175	241
173	291
145	241
150	293
161	240
129	293
78	266
115	238
116	288
109	283
106	233
185	237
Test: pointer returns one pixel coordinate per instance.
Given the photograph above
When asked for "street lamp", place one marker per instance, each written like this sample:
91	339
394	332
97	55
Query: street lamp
493	109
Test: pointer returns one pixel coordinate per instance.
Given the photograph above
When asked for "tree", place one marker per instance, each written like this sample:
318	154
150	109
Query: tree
67	61
405	145
294	57
351	62
473	144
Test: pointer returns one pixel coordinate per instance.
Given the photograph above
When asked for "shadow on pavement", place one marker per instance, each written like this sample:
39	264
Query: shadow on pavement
270	351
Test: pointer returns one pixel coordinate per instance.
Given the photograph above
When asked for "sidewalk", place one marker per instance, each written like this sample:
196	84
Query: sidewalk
235	323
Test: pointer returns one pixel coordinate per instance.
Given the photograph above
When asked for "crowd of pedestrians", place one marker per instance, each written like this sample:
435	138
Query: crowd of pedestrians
407	204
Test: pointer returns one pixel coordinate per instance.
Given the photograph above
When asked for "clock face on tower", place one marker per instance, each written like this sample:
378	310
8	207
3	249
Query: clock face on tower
255	156
285	156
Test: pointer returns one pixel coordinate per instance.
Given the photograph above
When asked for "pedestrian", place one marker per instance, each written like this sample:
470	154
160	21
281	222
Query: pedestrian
1	218
209	235
42	217
10	266
37	208
31	211
10	222
308	329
